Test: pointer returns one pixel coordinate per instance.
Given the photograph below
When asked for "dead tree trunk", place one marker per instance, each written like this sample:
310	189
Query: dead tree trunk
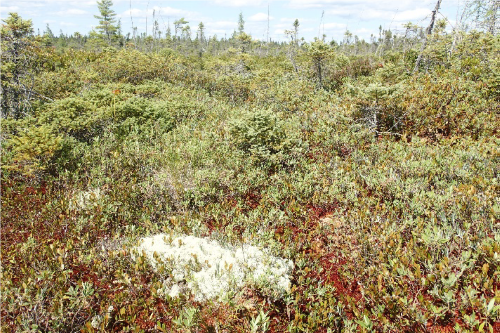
429	32
493	20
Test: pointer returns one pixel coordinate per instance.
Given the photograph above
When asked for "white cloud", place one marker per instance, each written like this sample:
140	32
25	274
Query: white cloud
67	24
217	31
170	11
282	26
362	31
44	3
391	5
8	9
238	3
71	12
222	24
332	26
220	27
259	17
377	14
320	3
412	15
80	3
279	32
381	10
163	11
289	20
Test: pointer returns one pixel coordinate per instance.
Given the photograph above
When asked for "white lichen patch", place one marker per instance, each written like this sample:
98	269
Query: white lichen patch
210	271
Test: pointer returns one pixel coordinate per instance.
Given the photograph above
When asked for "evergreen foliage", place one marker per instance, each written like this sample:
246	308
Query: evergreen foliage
319	51
241	24
18	65
107	27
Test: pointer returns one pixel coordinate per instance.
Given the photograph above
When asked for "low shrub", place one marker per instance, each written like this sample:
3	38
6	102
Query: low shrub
31	150
145	117
262	136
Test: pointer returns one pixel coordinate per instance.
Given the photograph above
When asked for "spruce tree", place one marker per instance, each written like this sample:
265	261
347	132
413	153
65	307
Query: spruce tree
201	32
107	21
241	24
186	33
48	32
18	63
179	25
169	32
49	37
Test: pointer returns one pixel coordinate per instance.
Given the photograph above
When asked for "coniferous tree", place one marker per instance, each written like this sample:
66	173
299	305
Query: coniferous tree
179	24
48	36
106	27
119	28
48	32
186	33
169	32
318	51
17	61
241	24
201	32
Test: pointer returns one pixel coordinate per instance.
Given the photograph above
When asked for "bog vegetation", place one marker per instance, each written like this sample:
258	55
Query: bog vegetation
374	173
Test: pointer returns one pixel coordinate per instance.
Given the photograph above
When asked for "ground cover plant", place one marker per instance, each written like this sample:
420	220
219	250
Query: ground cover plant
370	188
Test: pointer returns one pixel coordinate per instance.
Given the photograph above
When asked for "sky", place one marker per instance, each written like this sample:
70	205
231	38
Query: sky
220	17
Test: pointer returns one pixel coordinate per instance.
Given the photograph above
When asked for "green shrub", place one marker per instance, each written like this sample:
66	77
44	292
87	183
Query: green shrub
107	96
343	68
445	105
68	157
259	133
428	105
73	116
31	150
145	117
130	66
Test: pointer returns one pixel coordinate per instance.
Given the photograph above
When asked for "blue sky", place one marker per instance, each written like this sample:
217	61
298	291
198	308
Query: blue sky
361	17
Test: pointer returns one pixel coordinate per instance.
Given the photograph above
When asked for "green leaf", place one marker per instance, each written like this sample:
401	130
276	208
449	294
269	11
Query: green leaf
491	304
